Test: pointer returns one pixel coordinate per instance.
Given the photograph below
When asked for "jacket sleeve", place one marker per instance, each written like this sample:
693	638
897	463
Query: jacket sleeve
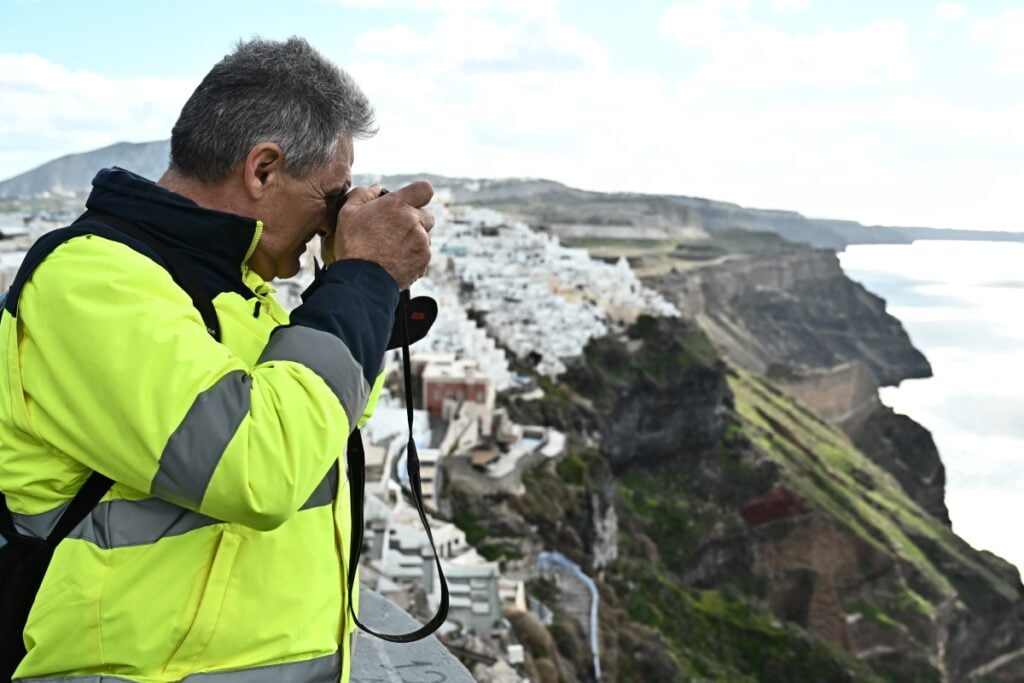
120	375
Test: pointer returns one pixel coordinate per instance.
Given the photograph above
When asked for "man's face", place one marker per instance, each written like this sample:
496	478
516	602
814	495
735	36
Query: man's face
299	209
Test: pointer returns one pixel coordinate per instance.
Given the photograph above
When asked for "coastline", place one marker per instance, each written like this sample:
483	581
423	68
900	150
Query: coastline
955	299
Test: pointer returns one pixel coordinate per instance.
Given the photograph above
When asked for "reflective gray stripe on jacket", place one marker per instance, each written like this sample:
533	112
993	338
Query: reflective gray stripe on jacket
321	670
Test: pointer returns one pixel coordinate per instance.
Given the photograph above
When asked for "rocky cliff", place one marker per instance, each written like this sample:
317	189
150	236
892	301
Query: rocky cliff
845	395
761	545
906	450
790	313
793	307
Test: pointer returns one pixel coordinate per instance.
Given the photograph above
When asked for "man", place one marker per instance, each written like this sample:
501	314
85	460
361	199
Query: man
217	555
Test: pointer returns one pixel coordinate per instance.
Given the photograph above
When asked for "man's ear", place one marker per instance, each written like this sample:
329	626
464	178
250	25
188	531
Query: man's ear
262	168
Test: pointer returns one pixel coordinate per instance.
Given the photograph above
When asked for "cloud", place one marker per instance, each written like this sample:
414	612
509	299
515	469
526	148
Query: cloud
481	96
519	7
789	5
488	95
747	55
455	41
764	57
46	108
704	22
469	108
950	11
1002	34
472	43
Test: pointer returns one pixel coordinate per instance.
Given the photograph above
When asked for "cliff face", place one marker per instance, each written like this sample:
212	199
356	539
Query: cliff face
905	449
670	397
796	308
794	316
847	397
655	624
758	545
905	582
829	540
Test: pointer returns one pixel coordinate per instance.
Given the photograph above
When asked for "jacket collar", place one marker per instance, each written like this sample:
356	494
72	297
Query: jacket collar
181	223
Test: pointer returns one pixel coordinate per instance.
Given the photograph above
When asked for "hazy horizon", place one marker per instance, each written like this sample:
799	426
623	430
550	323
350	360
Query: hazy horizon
556	180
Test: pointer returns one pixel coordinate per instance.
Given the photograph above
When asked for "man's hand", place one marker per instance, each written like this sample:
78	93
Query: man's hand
390	230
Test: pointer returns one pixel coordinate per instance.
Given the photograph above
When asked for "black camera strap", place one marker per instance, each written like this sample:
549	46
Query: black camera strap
357	484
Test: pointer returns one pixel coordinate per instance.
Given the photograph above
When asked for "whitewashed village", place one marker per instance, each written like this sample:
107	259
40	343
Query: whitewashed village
541	303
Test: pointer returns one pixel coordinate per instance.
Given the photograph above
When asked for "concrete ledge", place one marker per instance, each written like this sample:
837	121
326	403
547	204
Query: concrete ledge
378	661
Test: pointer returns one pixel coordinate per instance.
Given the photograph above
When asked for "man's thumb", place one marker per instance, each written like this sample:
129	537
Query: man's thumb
358	196
416	194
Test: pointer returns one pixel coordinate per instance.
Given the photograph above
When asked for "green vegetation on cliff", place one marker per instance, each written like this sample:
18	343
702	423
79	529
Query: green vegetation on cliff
722	635
821	464
755	541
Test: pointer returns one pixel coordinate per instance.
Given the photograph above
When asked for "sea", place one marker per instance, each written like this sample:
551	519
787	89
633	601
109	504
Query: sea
962	303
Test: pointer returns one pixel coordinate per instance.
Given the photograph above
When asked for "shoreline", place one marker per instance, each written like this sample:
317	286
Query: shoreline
955	322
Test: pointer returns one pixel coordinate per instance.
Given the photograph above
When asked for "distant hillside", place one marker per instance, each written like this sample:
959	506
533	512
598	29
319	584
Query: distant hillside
551	203
582	213
536	200
73	173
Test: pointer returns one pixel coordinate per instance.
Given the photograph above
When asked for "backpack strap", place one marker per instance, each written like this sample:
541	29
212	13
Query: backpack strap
7	530
119	230
201	298
97	485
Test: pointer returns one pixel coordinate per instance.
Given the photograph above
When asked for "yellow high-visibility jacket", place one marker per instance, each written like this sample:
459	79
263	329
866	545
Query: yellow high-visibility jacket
218	555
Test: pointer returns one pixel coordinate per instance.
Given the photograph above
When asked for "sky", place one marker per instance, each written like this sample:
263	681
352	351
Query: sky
908	113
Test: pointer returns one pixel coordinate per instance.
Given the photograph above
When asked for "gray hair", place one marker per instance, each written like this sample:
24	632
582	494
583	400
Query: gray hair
268	91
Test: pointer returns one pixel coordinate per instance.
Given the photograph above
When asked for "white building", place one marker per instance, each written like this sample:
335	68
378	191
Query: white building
385	438
542	301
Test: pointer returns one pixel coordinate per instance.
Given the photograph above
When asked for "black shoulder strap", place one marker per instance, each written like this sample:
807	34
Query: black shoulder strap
85	500
81	505
97	485
201	298
115	228
357	485
7	529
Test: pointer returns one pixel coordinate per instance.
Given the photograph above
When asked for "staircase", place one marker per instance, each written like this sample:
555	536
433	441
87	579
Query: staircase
578	597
